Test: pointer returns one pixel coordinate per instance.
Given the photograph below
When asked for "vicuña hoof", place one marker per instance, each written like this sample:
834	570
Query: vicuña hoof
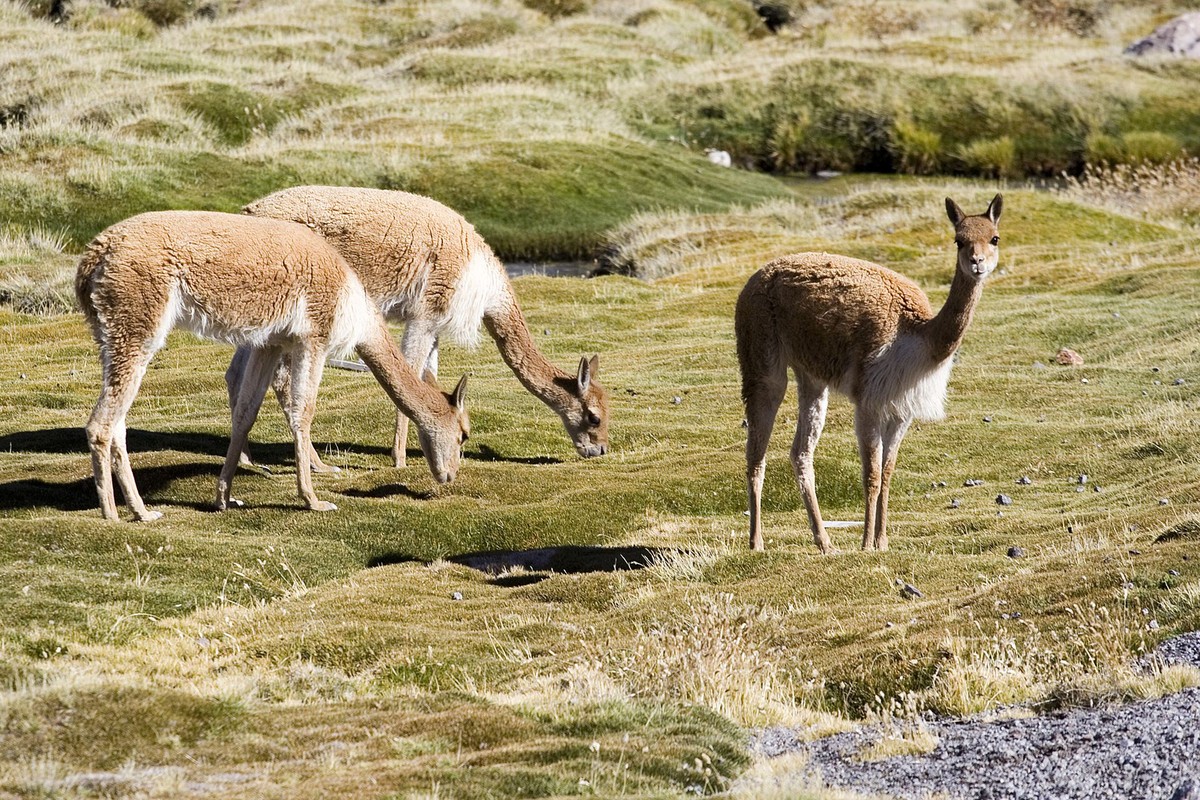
322	505
149	516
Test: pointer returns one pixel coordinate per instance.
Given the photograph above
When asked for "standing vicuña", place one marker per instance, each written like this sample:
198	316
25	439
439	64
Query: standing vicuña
422	263
274	287
870	334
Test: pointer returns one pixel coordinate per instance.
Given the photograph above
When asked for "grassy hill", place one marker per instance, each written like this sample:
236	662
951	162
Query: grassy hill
487	639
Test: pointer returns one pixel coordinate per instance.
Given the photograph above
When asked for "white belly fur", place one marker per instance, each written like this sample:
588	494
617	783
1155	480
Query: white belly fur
900	382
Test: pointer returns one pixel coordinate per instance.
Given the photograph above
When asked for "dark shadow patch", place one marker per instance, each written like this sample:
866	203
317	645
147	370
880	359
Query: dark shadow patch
80	495
388	490
568	559
516	581
1188	530
74	440
486	453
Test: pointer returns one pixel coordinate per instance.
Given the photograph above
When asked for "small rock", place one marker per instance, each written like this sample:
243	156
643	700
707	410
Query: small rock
1080	489
987	419
1116	314
908	589
1173	573
1016	552
545	332
826	174
22	376
1083	380
953	503
720	157
1158	383
1082	478
1154	369
1068	358
1024	480
456	596
1135	552
1003	500
1153	625
1039	365
1180	381
1177	37
941	484
1164	501
676	400
1097	489
972	482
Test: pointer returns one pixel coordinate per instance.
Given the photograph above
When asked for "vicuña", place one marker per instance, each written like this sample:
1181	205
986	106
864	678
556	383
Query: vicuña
424	264
275	288
868	333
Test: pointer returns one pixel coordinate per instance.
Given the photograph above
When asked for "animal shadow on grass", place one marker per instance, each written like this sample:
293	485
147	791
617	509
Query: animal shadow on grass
541	562
80	495
486	453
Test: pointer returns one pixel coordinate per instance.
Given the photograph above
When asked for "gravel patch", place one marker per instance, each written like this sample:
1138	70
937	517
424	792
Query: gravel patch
1145	750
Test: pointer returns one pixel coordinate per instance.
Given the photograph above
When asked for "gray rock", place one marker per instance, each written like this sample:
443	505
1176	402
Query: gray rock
908	589
1024	481
1016	552
1003	500
1179	37
456	596
1180	381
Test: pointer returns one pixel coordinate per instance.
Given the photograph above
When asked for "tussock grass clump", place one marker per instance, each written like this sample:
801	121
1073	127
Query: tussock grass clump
1169	191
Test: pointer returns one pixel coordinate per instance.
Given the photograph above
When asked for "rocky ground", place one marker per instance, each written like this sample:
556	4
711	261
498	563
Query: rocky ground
1145	750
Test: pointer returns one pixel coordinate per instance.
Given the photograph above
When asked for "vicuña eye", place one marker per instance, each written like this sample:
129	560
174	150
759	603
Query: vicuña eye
593	418
958	243
995	240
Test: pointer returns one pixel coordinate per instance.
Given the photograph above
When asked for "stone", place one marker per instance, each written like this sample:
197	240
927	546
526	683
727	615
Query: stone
676	400
1082	478
1024	481
1179	37
456	596
1003	500
908	589
1068	358
1016	552
1180	381
953	503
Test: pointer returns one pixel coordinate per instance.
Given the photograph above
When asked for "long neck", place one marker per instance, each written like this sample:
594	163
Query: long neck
945	331
421	402
543	380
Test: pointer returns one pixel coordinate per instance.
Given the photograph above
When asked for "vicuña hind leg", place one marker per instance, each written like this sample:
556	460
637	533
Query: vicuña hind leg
420	349
106	433
762	404
256	373
870	450
814	400
307	365
893	434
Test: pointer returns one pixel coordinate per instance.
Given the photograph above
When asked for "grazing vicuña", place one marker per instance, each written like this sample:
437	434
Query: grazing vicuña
275	288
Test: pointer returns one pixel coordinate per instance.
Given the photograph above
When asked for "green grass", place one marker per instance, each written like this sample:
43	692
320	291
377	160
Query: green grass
269	652
249	637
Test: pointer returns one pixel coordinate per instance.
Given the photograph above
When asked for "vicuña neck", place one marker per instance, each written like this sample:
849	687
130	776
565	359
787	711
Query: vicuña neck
543	380
420	401
945	331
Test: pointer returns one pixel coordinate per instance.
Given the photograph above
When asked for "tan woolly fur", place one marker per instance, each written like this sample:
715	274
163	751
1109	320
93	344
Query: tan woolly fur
866	332
424	264
274	288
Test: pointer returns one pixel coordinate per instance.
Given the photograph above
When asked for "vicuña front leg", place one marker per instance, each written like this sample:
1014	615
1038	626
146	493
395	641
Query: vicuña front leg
870	452
420	349
893	434
811	420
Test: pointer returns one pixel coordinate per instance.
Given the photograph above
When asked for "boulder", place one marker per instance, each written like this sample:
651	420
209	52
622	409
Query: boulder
1179	37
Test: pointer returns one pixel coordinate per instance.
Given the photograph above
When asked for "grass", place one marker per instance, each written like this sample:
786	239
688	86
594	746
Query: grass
267	652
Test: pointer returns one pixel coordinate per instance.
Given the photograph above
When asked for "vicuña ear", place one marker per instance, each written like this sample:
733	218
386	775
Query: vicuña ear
583	379
459	396
954	212
994	208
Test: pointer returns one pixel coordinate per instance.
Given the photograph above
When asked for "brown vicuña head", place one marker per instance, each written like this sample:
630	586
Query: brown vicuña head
584	412
442	444
977	238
